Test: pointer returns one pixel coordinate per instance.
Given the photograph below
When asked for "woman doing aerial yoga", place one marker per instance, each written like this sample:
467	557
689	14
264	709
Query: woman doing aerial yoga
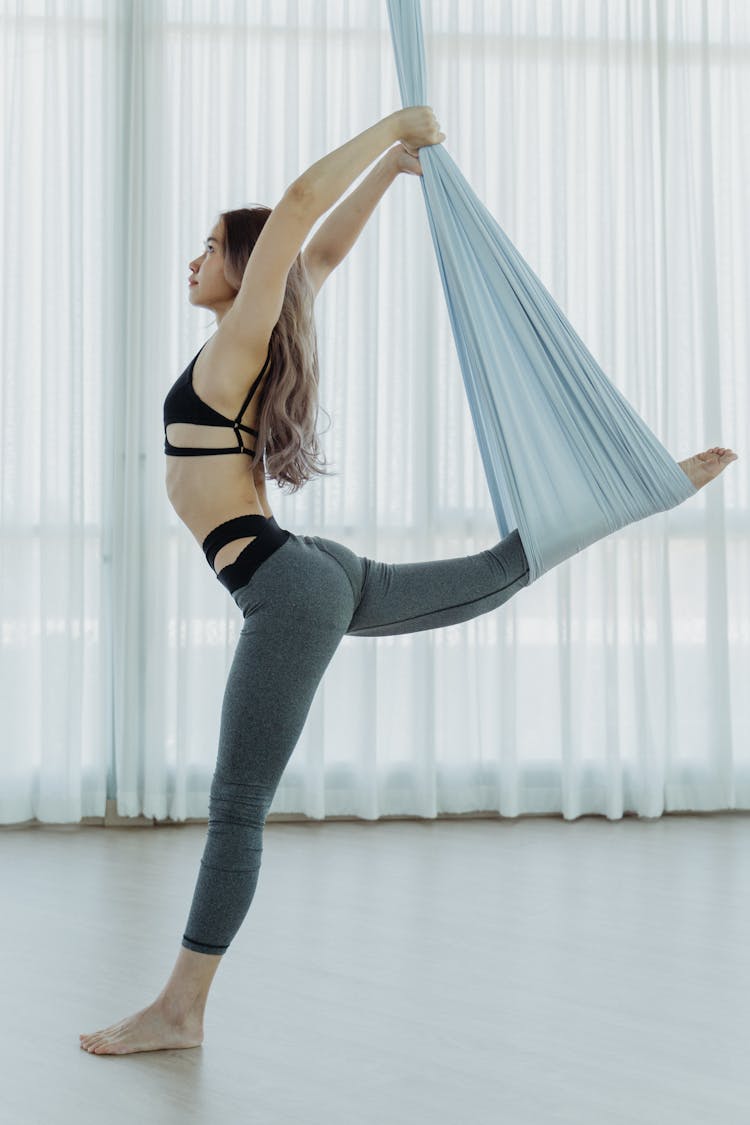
299	594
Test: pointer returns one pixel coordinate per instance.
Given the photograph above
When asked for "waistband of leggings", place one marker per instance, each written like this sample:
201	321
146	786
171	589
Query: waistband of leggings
268	538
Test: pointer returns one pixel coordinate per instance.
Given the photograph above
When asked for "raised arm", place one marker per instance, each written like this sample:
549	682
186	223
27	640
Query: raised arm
334	239
326	181
329	178
258	304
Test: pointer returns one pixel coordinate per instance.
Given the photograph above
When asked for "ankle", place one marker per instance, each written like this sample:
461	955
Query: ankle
184	996
182	1009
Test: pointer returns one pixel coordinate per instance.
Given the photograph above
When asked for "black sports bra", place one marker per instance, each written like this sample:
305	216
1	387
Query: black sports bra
182	404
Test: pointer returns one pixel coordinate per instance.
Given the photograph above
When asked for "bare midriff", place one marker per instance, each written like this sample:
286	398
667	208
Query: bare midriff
207	491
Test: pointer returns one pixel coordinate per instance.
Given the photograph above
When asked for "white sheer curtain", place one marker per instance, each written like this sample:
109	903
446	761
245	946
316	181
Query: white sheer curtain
618	682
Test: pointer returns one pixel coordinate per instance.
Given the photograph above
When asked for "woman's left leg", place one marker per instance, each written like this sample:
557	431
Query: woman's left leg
296	608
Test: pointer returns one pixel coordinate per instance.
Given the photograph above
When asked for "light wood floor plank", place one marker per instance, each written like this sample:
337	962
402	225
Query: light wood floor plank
454	972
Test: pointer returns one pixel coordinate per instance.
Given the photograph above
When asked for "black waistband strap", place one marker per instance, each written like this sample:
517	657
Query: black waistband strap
240	572
237	528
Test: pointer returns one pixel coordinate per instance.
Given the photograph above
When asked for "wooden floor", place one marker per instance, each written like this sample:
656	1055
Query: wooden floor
520	972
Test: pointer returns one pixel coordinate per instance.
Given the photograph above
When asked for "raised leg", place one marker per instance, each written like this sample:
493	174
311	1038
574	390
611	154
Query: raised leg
409	597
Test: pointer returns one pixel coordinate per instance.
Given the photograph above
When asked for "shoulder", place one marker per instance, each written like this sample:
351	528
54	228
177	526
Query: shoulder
232	343
228	364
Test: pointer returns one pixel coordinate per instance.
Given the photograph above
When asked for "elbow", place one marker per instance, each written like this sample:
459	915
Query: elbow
301	193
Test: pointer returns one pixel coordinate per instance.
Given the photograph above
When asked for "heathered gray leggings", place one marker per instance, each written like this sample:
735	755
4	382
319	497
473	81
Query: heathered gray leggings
301	599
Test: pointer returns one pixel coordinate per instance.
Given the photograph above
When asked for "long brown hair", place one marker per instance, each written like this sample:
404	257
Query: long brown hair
288	404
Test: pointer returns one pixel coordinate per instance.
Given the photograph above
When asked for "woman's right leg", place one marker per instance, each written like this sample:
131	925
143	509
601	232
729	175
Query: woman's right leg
395	598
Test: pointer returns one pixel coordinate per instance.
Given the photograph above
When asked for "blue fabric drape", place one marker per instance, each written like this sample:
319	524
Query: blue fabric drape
567	459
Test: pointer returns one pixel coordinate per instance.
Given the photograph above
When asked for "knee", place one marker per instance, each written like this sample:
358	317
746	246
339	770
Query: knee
240	804
510	555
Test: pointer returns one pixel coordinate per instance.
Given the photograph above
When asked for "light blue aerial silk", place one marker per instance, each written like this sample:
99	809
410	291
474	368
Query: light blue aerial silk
567	459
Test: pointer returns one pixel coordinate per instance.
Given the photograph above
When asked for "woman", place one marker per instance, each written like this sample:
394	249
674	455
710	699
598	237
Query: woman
299	595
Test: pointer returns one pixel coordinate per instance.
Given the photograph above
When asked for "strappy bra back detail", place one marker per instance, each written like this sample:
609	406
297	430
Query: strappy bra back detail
182	404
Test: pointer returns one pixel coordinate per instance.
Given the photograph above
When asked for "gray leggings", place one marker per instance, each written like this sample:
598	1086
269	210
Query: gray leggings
302	597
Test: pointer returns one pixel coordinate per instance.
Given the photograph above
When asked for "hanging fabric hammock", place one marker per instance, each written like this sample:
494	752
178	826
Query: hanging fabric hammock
567	459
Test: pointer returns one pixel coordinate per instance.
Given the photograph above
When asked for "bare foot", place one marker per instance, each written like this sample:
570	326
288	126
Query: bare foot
151	1029
703	467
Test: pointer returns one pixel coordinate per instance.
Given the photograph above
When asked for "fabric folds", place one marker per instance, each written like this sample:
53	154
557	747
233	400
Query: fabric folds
567	458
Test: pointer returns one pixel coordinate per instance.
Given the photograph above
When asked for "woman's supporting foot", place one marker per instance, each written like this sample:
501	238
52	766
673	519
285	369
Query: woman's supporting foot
152	1029
703	467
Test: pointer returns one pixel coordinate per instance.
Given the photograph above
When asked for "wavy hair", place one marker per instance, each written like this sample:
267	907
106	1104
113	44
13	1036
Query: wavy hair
288	403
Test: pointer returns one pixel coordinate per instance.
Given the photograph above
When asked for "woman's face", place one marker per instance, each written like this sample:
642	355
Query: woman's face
212	290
